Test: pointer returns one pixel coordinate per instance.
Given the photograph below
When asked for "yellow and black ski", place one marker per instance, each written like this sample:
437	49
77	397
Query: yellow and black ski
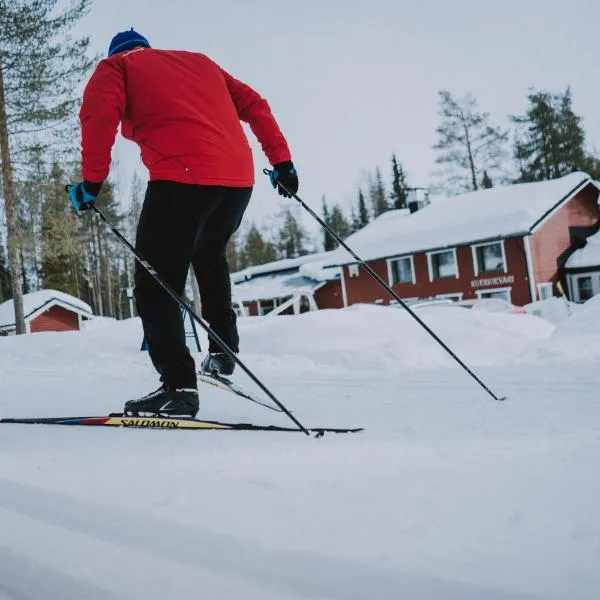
121	420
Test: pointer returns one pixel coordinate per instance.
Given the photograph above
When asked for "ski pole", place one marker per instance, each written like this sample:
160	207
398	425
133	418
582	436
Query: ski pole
185	306
390	291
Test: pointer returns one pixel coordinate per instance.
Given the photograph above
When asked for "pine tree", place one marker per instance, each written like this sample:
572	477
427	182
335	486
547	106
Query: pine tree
61	240
328	240
339	224
467	144
550	138
399	192
486	181
292	239
232	253
40	67
379	203
257	250
353	220
362	217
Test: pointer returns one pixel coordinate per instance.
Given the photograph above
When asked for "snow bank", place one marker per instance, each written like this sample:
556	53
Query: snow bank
575	338
554	310
376	337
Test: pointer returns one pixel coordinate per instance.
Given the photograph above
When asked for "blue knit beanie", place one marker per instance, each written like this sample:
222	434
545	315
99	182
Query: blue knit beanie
125	40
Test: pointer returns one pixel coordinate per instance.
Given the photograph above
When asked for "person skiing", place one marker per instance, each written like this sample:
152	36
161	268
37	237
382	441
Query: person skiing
184	112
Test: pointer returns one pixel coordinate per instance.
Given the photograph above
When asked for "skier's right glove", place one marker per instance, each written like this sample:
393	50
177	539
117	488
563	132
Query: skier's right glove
285	173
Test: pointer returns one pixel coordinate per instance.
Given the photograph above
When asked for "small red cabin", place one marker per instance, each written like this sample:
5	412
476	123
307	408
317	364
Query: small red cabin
46	310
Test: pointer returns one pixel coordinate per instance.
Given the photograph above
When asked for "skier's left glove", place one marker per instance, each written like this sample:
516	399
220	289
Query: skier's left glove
84	194
284	173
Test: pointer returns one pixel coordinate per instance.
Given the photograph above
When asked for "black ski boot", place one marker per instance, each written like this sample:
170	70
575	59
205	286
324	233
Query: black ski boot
217	363
165	401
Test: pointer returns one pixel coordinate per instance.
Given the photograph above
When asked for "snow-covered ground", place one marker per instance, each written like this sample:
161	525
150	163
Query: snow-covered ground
447	494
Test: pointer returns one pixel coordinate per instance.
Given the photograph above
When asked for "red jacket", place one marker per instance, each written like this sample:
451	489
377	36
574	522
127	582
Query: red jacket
184	113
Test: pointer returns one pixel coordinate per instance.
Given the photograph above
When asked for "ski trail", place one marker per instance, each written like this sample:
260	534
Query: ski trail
25	579
216	560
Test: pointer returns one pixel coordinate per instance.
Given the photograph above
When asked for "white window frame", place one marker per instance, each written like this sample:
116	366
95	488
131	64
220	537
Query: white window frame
544	286
405	300
595	276
412	269
455	295
430	263
508	290
354	270
474	254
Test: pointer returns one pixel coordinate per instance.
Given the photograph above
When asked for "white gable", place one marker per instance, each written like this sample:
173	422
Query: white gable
458	220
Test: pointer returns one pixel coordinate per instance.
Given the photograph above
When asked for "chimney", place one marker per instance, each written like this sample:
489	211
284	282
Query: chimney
417	198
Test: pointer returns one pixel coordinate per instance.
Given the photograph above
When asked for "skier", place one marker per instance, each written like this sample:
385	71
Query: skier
184	112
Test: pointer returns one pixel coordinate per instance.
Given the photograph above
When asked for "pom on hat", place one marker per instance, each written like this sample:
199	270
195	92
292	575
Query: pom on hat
125	40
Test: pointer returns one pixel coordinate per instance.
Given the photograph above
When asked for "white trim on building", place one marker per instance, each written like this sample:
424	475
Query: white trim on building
390	261
344	291
493	292
530	267
476	262
454	296
544	290
430	264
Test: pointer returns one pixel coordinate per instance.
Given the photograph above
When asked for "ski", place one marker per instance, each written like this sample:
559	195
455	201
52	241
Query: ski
227	385
121	420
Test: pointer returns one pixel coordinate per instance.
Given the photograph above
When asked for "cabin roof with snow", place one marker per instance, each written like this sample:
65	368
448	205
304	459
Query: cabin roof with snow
278	266
501	212
276	285
588	256
36	303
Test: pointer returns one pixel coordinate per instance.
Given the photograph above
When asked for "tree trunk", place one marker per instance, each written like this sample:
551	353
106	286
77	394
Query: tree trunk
471	159
11	215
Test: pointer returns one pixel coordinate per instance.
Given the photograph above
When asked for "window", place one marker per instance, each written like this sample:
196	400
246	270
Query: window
489	258
454	297
585	288
503	294
401	270
544	291
443	264
353	270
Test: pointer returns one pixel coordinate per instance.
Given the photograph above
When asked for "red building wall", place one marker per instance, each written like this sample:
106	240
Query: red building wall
365	289
55	318
330	295
552	238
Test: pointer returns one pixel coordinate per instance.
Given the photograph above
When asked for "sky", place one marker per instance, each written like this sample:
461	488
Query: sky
351	82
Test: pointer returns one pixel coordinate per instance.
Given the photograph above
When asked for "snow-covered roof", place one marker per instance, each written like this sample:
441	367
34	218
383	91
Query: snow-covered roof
588	256
286	264
275	285
36	301
449	222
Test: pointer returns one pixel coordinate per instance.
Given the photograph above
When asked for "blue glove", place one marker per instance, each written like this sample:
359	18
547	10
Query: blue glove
83	194
284	173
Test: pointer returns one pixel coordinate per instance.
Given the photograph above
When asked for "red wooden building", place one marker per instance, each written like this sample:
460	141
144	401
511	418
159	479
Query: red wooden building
509	242
512	242
46	310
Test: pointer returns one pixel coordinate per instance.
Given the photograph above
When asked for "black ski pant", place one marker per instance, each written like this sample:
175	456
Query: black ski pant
182	224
